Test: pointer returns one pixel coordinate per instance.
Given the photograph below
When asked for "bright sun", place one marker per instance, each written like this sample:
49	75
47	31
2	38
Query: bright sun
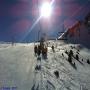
45	10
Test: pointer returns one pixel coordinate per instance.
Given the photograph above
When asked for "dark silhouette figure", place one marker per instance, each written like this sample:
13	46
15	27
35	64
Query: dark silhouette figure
53	48
66	52
38	67
82	59
70	58
77	57
39	50
35	49
33	87
44	52
70	55
88	61
71	52
62	54
56	74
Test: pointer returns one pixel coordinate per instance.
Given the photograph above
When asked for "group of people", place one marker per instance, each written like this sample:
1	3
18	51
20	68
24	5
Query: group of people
40	49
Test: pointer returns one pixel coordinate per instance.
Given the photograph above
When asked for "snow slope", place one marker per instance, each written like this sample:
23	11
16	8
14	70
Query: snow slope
17	68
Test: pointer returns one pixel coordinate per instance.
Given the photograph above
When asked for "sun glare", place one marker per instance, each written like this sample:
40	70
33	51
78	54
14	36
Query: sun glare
45	10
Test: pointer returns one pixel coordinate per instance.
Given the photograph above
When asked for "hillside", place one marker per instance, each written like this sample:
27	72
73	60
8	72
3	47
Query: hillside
18	62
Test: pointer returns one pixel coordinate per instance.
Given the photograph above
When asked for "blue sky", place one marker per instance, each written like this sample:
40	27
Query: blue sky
18	16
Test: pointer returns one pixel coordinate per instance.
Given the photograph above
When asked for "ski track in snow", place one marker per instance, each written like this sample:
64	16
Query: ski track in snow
17	68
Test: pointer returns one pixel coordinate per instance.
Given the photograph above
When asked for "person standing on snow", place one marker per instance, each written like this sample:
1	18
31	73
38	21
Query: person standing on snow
53	48
35	50
39	50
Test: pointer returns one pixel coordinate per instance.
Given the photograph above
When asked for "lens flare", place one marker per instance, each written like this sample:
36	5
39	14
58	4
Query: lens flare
46	10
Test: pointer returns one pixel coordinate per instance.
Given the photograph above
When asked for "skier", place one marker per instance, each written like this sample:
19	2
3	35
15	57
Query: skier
53	48
35	50
56	73
88	61
70	57
62	54
77	57
39	50
44	52
71	52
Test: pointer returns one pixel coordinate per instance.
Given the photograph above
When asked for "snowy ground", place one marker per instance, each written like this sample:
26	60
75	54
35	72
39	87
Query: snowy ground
17	68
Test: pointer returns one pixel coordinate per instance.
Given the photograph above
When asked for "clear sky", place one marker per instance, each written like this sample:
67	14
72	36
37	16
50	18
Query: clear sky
18	16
